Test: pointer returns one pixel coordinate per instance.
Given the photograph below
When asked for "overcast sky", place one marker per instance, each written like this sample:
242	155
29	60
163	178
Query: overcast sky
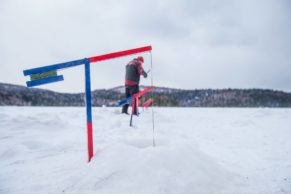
196	44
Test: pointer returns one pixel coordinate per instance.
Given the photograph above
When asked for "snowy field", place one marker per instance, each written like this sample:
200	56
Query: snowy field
198	150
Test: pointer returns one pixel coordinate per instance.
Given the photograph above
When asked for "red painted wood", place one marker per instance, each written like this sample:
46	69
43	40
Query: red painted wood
137	95
90	141
147	103
120	54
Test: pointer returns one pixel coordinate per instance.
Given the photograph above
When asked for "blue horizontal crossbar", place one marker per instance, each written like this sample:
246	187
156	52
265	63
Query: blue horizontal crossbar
45	81
54	67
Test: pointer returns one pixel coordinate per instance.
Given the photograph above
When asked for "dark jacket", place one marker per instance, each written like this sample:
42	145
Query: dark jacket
133	71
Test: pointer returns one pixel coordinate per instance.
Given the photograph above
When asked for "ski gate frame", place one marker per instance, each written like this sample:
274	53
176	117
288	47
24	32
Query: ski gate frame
86	62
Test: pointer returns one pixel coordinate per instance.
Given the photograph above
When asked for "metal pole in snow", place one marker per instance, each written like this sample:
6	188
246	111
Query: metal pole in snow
153	116
89	109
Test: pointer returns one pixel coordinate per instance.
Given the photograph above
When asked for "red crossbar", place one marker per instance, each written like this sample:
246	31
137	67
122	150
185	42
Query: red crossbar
120	54
139	94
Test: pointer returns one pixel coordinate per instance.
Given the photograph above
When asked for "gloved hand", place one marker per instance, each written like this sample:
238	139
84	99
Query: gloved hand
145	75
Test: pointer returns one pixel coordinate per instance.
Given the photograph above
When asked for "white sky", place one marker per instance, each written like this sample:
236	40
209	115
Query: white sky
196	44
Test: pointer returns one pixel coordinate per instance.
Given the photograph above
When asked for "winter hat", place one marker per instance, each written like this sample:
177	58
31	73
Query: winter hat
140	58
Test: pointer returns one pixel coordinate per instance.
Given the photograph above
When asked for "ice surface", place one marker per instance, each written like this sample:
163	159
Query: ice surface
198	150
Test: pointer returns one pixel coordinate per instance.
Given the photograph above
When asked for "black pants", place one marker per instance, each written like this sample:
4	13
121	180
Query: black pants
130	91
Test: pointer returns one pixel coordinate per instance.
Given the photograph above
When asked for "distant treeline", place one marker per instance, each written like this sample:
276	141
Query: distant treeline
13	95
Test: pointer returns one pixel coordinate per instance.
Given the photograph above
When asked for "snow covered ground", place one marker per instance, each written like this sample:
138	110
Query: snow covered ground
198	150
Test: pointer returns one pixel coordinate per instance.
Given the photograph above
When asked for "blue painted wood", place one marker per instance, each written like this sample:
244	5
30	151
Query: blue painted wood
89	109
44	81
88	91
53	67
125	101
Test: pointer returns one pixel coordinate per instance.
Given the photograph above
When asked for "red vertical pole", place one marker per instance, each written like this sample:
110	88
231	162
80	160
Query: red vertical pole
90	141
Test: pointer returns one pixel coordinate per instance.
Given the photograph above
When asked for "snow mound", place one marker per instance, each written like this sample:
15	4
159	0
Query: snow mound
127	168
